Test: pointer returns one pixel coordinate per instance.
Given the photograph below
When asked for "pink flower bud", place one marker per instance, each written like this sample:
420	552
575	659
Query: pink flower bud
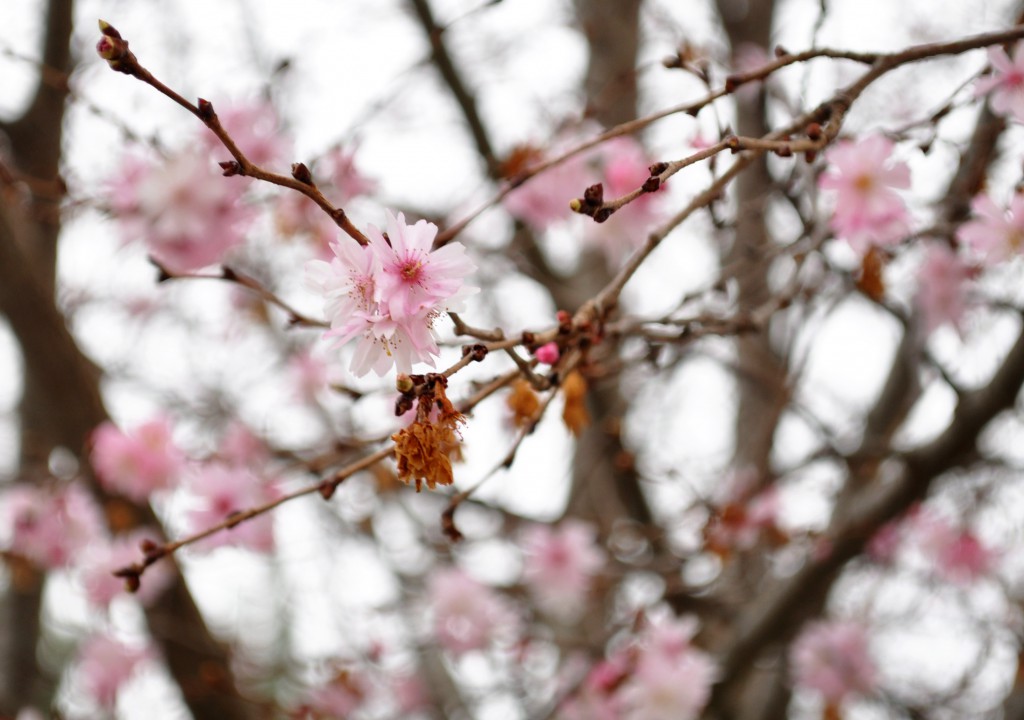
547	354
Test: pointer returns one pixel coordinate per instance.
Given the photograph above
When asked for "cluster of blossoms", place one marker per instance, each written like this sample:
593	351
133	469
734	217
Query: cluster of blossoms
661	676
833	659
868	210
387	294
954	554
560	566
621	165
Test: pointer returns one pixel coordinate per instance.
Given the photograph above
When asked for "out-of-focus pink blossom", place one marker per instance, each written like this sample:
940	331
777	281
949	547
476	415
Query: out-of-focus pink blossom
309	373
387	295
256	131
409	692
957	555
185	211
622	165
467	613
138	463
560	565
220	491
340	179
106	665
1006	83
885	543
547	353
543	200
101	559
672	679
994	233
50	526
240	446
868	212
833	658
942	285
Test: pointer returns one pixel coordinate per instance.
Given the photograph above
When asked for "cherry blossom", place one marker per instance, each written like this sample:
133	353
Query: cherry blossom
183	209
560	565
50	526
995	234
868	212
1006	83
543	200
467	613
623	166
942	285
957	555
256	130
100	559
339	179
219	491
138	463
833	659
672	679
387	295
106	665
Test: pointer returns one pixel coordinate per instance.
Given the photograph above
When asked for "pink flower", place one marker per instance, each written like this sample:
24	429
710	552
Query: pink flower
868	211
832	658
547	353
467	614
387	295
185	211
100	560
221	491
672	679
240	446
560	565
137	464
1006	83
255	129
957	556
543	200
942	288
309	374
996	234
51	526
106	665
412	278
623	166
348	182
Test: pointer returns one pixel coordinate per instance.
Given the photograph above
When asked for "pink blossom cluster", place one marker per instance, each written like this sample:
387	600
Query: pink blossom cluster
181	207
956	554
468	615
106	665
1005	85
942	287
995	233
217	491
560	566
104	555
672	678
137	463
49	526
833	659
354	689
340	179
621	165
868	210
386	295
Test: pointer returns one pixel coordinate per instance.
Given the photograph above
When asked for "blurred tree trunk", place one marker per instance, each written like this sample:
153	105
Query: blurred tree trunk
61	404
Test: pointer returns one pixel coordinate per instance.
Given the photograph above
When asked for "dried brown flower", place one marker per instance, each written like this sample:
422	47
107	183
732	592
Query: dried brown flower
574	414
524	403
425	449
